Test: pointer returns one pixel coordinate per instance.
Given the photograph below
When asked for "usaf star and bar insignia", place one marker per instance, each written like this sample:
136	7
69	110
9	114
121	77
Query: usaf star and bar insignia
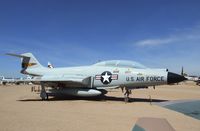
106	77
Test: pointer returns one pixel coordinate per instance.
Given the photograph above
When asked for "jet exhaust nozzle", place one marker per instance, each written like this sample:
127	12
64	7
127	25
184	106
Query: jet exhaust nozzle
174	78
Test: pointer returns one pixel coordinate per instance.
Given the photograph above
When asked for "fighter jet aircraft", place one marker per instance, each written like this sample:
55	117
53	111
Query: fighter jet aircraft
93	80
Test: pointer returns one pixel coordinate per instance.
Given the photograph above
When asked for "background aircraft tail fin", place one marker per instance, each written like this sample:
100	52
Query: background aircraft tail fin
182	72
50	65
27	60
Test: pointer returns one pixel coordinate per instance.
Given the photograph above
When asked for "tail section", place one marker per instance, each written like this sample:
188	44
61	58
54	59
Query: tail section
182	72
27	61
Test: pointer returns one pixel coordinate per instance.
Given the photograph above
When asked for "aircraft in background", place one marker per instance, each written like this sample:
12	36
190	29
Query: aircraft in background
190	78
17	81
5	80
50	65
93	80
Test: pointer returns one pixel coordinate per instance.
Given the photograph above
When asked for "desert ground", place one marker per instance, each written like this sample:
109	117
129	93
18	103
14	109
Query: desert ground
22	110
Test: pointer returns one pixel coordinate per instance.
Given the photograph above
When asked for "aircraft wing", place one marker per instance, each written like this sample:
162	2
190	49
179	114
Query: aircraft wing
62	80
67	81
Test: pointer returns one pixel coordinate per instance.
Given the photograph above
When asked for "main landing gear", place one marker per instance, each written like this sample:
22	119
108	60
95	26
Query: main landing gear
43	93
126	95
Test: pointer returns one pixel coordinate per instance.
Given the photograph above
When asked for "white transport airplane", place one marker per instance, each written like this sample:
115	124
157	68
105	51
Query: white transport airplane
190	78
5	80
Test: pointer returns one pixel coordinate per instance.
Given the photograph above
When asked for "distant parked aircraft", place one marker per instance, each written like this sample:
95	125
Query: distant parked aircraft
50	65
5	80
190	78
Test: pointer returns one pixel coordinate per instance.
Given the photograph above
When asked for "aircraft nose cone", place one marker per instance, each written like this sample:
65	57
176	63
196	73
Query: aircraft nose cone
174	78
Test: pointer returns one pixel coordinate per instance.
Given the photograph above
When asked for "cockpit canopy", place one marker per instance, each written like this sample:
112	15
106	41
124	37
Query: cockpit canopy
121	63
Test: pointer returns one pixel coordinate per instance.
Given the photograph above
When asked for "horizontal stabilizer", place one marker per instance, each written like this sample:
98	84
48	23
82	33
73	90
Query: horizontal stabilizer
27	61
16	55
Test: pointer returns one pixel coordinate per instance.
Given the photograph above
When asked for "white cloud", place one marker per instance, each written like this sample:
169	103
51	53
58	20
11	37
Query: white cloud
153	42
188	35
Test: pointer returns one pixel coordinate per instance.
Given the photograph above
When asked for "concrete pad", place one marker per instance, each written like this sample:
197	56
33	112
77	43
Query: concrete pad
153	124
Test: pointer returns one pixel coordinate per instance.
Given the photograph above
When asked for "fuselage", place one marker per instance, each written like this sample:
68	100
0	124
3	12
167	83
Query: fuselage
118	76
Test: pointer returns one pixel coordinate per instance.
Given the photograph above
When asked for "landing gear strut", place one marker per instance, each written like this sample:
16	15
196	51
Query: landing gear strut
43	93
126	94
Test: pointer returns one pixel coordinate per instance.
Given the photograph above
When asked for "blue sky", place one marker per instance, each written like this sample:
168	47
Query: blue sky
156	33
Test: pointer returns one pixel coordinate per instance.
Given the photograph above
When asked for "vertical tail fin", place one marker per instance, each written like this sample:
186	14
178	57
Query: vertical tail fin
182	72
27	61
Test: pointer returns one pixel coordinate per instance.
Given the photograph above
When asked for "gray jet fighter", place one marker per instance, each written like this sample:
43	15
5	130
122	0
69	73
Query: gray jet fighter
93	80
